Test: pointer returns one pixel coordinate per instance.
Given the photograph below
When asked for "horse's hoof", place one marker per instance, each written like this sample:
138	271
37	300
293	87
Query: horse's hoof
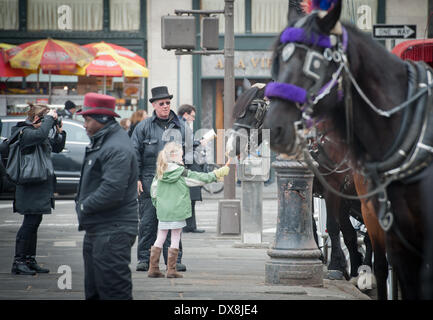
334	275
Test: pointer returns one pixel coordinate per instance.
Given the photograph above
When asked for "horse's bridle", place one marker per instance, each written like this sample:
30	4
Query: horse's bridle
315	66
262	108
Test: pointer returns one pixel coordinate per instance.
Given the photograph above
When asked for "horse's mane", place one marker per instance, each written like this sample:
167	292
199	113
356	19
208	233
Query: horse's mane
245	99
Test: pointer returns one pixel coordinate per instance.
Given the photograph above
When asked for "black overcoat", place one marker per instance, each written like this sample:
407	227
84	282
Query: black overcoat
38	198
108	186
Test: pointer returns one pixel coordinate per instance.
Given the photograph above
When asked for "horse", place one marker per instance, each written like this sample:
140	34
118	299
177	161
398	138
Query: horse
391	144
249	111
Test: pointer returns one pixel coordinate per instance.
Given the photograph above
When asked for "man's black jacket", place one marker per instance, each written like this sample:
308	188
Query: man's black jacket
108	187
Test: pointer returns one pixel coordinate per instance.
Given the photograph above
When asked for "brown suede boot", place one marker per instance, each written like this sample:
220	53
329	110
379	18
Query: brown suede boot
171	263
154	271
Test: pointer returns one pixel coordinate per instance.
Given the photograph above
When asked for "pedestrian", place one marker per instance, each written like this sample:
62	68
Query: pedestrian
33	200
186	113
136	117
106	202
69	110
170	196
148	138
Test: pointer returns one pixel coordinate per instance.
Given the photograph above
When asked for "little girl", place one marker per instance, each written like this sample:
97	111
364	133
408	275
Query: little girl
170	196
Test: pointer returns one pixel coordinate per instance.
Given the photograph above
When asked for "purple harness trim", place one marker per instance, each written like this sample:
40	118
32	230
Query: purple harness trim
298	35
292	92
286	91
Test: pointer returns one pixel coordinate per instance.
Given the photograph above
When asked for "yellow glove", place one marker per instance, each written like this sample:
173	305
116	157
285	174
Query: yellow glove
221	172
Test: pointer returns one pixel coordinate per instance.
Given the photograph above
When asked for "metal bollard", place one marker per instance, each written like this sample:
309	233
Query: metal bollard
294	257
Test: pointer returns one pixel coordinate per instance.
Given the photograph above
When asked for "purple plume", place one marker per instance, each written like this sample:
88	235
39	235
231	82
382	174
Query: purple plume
286	91
299	35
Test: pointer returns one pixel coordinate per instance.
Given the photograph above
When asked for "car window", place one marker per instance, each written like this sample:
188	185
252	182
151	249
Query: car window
75	132
6	128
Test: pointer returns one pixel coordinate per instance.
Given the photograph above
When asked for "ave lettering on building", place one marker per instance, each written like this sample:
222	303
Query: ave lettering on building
253	64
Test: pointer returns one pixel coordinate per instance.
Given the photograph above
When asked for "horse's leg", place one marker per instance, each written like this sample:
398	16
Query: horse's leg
350	238
408	263
406	266
368	251
316	238
377	237
337	264
425	187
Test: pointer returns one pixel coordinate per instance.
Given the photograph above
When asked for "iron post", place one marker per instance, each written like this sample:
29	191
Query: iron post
294	256
229	87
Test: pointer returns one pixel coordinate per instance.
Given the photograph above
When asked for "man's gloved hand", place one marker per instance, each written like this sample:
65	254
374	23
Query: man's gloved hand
222	172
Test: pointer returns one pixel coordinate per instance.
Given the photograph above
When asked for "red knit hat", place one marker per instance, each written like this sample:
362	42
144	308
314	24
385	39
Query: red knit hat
95	103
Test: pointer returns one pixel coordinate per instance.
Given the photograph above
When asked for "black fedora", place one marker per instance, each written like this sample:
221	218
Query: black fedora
159	93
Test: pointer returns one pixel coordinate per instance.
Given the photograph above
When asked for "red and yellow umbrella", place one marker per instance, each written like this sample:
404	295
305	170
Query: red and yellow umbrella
6	70
49	55
121	51
113	61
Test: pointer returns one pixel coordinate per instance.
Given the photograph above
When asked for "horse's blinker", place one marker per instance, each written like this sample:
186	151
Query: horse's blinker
315	67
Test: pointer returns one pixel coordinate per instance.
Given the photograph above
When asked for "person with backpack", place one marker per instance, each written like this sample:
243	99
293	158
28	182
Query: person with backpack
33	200
170	196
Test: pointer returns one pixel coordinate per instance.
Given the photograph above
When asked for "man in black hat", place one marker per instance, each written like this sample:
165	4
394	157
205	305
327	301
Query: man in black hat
69	110
148	138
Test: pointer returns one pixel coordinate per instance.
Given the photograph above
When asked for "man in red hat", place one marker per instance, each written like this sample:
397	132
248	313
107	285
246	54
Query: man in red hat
106	201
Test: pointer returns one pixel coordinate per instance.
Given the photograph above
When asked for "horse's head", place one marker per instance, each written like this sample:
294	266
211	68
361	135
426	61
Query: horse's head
306	70
248	114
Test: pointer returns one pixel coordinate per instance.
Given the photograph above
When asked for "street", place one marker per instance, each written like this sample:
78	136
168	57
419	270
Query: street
216	268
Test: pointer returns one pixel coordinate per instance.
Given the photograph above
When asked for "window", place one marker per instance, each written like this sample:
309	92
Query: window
77	15
269	16
362	13
124	15
75	132
9	15
239	13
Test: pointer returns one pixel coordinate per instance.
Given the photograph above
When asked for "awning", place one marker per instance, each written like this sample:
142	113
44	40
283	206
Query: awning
420	49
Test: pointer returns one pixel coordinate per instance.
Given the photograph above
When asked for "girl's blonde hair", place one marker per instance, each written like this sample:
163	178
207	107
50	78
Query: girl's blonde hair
170	149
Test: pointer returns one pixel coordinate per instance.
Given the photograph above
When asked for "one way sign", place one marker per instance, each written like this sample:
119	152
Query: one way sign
394	31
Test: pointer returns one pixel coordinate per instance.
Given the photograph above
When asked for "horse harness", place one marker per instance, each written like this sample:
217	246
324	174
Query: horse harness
259	116
413	149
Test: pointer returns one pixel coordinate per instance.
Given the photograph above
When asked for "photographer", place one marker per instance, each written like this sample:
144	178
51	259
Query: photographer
34	200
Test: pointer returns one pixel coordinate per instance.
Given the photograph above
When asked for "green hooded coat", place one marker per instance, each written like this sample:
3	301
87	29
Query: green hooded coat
170	195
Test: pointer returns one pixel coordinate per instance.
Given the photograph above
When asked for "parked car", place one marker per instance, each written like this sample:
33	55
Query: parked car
67	164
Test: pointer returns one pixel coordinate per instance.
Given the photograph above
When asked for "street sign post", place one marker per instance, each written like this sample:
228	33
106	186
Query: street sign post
394	31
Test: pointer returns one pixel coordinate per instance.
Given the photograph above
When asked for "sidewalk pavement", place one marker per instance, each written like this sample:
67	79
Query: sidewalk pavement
216	268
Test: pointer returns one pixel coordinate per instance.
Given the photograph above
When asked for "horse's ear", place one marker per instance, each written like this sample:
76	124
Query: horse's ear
246	84
295	11
328	22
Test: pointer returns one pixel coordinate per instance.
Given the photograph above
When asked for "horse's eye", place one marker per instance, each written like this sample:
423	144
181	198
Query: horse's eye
288	51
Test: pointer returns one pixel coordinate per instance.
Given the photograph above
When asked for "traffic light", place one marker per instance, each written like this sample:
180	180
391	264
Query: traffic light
209	33
178	32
